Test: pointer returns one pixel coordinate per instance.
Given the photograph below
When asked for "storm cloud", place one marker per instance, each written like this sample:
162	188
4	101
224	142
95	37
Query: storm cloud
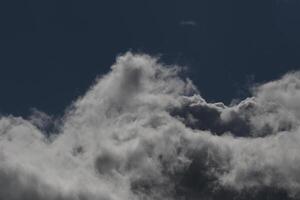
144	132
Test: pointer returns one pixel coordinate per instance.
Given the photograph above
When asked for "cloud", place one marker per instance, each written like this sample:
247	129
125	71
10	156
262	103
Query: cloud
143	132
188	23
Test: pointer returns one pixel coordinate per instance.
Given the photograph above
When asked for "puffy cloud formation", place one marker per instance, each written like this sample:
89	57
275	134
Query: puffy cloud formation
143	132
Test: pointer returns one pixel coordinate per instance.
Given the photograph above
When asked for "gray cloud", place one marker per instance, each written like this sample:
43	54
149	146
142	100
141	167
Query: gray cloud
142	132
188	23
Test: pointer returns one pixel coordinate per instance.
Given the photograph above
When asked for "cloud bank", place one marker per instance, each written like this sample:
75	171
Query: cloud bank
144	132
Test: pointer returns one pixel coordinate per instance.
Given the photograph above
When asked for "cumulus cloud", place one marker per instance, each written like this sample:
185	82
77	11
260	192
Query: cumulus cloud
144	132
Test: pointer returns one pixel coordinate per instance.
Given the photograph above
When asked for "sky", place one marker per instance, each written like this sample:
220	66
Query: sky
225	45
150	100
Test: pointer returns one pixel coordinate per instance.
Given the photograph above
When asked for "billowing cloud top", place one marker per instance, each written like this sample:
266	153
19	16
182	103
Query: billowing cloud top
142	132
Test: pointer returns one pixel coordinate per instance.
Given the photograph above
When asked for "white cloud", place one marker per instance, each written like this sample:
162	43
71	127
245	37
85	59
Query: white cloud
141	132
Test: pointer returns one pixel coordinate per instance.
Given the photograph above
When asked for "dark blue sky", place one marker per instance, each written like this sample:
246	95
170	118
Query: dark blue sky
51	51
